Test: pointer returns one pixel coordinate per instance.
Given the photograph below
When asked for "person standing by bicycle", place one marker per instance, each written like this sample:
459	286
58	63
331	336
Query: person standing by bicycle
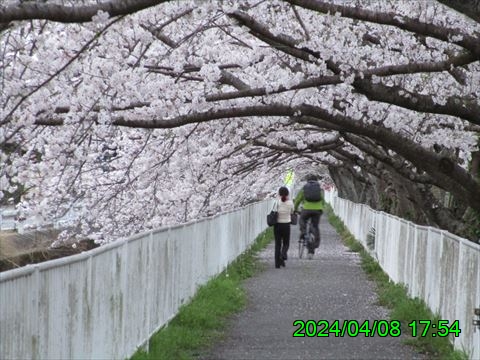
311	198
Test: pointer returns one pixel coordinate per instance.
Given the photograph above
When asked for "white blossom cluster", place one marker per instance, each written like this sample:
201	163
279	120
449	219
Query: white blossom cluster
65	87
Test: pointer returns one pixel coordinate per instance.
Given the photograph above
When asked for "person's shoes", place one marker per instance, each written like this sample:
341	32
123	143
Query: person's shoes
310	256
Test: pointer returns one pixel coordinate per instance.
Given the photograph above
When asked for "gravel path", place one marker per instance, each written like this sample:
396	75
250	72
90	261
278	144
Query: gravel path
331	286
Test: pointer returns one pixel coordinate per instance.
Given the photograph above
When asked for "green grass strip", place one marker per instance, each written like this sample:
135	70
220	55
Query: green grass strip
395	297
201	322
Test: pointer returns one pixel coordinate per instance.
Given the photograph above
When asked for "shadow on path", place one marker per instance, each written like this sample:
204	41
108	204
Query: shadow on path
331	286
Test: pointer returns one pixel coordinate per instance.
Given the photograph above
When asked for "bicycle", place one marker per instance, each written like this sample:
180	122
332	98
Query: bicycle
308	239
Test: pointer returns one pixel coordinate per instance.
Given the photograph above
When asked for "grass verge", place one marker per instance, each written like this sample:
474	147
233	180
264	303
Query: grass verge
202	321
394	297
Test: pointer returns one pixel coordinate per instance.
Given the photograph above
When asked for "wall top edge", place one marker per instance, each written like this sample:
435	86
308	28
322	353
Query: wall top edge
29	269
445	233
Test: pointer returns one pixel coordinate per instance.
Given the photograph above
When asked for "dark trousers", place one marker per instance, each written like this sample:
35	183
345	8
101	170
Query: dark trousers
315	216
282	241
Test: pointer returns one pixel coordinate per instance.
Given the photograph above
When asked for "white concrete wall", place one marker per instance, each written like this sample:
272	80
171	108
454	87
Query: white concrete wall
436	266
105	303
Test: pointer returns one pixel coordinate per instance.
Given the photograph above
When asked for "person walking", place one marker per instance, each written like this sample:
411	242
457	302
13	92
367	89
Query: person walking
311	198
281	229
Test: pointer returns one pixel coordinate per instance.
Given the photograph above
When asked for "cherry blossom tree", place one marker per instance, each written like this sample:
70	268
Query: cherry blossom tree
136	114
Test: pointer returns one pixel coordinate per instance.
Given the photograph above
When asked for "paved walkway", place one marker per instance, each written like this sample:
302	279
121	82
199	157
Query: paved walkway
330	287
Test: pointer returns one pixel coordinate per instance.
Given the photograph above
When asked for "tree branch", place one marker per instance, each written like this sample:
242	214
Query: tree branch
286	146
450	176
470	8
265	110
7	118
453	36
72	14
398	164
383	71
302	24
281	42
395	95
378	92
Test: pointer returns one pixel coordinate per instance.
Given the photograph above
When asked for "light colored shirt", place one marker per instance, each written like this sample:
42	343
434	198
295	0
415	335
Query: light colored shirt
284	210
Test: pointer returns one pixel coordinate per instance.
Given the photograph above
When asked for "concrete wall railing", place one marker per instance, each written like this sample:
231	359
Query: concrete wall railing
436	266
107	302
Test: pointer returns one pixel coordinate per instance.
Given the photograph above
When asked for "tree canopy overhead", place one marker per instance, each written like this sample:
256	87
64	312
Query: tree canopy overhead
134	114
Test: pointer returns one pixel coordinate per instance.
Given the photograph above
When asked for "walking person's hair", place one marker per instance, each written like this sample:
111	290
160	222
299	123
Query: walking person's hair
283	192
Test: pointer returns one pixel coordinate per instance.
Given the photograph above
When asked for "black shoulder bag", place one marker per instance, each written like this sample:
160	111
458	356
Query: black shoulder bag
272	216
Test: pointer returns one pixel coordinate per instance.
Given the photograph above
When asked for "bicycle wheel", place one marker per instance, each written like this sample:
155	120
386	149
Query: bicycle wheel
311	242
301	248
